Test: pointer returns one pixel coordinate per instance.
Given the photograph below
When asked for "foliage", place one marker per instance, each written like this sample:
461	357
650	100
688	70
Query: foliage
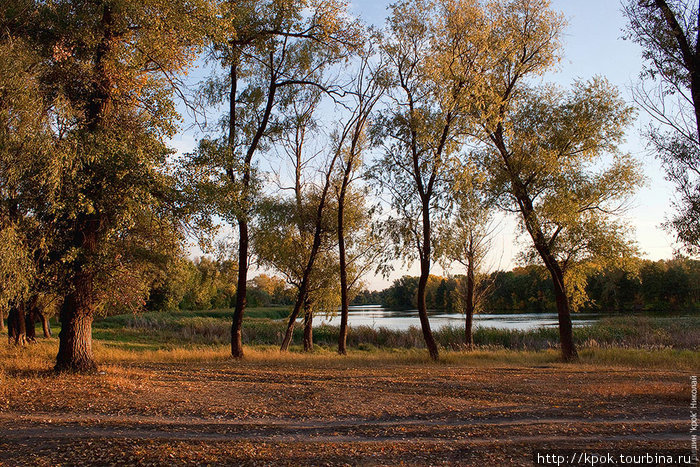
667	31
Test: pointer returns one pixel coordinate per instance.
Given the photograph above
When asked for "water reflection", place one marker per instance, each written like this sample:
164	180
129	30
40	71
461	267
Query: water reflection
376	316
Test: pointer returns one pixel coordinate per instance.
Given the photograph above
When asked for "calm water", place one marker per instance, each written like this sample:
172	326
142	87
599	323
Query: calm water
376	316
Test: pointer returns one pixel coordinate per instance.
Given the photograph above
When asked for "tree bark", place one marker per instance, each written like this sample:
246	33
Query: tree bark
308	329
241	291
2	320
469	306
423	282
75	338
344	301
78	307
16	324
566	333
45	325
30	322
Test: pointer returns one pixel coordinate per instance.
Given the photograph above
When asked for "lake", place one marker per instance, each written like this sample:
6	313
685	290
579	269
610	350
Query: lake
375	316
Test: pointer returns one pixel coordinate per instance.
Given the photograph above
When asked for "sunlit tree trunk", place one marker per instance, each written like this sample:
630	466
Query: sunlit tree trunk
45	325
75	338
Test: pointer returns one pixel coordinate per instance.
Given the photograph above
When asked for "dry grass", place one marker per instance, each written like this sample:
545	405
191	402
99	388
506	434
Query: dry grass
195	405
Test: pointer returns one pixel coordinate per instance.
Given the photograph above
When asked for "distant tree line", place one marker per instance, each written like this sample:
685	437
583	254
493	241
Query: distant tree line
643	285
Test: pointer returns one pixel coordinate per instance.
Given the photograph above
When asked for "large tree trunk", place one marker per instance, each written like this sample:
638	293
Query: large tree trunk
308	329
16	324
241	291
78	308
566	333
423	282
45	325
75	347
30	323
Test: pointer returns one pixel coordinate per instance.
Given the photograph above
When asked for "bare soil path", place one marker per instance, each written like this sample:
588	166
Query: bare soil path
266	412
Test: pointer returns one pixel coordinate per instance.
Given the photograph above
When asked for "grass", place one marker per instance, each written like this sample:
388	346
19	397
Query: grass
203	336
266	326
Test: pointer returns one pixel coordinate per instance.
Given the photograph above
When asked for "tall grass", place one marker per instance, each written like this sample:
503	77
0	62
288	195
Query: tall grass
161	330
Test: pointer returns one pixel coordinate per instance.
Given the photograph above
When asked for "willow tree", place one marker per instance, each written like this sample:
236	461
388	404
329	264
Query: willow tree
109	69
667	31
25	138
548	163
435	53
546	151
276	46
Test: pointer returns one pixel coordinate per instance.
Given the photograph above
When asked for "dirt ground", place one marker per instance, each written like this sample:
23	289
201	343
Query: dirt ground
336	412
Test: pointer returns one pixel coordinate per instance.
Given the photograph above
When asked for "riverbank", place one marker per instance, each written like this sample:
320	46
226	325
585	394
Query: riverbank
265	327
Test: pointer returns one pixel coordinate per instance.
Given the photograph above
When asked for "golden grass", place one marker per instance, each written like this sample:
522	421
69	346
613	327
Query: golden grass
39	357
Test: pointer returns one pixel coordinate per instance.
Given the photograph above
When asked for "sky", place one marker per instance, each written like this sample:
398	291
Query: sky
592	46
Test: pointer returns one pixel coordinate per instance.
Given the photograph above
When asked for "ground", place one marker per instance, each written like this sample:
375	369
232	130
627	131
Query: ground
379	408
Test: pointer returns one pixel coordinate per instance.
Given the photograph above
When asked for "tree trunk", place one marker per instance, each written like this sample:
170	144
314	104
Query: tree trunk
308	329
289	334
30	323
241	290
423	314
75	347
77	309
16	324
2	320
543	247
423	282
344	301
469	306
46	326
566	334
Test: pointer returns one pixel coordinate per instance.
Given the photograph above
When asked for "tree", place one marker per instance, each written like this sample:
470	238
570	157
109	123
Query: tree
24	138
469	238
546	162
108	69
311	201
275	46
435	53
352	143
668	34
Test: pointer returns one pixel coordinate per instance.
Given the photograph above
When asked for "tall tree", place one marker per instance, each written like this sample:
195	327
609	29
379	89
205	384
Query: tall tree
25	136
276	46
352	142
668	32
545	156
109	73
435	53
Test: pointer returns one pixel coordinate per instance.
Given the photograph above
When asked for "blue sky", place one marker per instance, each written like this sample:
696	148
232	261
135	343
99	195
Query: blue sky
592	45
